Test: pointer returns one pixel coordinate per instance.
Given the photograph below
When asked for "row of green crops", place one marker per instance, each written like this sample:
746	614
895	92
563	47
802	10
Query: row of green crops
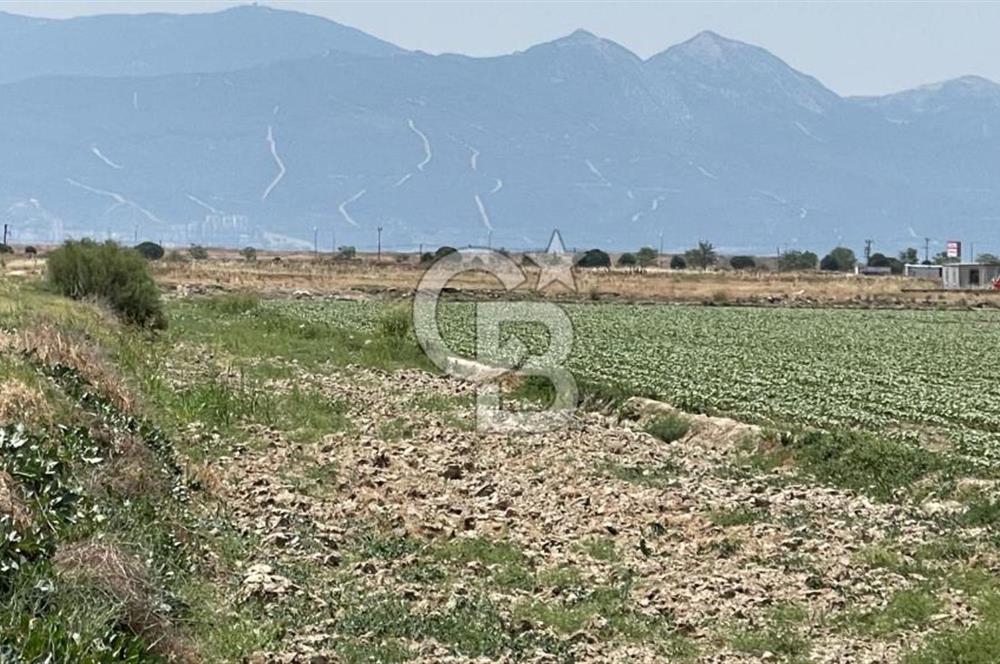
931	373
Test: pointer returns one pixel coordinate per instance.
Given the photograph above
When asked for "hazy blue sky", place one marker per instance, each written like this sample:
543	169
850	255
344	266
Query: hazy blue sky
853	47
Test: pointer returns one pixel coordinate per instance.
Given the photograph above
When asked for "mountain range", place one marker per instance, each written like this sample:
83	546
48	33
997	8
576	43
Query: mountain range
274	128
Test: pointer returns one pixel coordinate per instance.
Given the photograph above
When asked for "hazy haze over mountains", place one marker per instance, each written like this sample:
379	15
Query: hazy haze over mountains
257	126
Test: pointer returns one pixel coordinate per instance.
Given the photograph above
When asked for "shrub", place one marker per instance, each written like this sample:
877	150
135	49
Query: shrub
395	323
6	249
742	262
346	253
702	256
627	260
150	251
797	260
426	258
249	254
594	258
668	428
110	273
878	260
678	263
444	251
198	252
840	259
30	251
646	256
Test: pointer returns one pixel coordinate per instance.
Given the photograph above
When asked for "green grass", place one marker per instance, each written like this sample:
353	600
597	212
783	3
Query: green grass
785	643
669	428
881	468
739	516
905	609
658	476
600	548
978	644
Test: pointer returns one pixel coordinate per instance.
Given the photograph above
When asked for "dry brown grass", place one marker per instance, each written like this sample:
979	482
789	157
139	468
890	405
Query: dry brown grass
653	284
107	569
11	505
51	344
131	471
22	404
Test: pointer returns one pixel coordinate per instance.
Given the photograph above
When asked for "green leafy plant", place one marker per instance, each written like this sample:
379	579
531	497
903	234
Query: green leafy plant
108	272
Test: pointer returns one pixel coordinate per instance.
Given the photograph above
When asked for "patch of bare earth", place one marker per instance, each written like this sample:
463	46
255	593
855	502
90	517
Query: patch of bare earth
600	497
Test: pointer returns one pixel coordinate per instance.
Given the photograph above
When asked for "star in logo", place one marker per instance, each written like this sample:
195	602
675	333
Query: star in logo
556	264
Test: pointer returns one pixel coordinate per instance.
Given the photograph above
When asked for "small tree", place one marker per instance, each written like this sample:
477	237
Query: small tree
703	256
793	260
426	258
198	252
742	263
30	251
346	252
627	260
840	259
594	258
909	256
678	263
988	259
879	260
646	256
444	251
6	249
249	254
150	251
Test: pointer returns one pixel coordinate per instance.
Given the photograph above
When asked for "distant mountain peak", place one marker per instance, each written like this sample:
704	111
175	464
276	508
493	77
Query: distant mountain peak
708	47
584	40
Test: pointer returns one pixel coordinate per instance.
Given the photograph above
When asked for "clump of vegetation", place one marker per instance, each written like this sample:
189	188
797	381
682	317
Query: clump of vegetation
669	428
150	250
30	251
795	260
198	252
742	263
678	263
6	249
594	258
646	256
249	254
703	256
627	260
851	460
110	273
840	259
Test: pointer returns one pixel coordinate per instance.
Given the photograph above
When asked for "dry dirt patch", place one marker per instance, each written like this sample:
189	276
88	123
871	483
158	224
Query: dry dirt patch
710	548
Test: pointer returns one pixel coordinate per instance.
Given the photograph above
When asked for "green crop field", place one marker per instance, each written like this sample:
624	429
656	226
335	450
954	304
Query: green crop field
909	374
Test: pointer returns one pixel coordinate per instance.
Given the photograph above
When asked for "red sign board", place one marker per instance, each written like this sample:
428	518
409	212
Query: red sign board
953	249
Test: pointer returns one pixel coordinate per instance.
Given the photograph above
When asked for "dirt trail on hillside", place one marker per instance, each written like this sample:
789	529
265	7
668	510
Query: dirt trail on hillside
713	549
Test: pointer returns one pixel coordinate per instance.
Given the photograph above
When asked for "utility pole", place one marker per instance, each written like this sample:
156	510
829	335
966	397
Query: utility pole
315	241
489	239
659	256
379	258
927	249
5	233
868	250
